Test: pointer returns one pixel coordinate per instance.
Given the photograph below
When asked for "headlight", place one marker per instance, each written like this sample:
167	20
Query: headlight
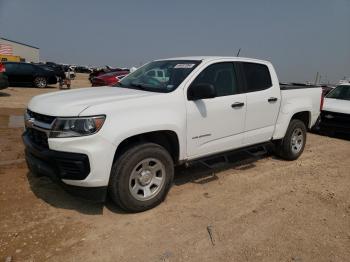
73	127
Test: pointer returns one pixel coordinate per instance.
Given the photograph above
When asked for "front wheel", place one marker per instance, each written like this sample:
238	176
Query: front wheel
141	177
40	82
293	143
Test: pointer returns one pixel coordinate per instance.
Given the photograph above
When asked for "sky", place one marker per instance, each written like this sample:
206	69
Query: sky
300	37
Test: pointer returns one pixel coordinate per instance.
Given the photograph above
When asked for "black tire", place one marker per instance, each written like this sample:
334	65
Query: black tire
285	148
122	177
40	82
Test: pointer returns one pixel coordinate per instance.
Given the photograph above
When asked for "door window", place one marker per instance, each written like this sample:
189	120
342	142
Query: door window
257	76
26	69
222	76
11	68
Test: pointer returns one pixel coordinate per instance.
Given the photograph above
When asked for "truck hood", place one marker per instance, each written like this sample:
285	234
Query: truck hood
73	102
336	105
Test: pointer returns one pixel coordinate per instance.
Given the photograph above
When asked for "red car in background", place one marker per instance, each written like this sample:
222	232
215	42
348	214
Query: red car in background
109	78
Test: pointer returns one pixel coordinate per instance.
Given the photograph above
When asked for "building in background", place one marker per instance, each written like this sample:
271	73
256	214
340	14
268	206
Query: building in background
15	51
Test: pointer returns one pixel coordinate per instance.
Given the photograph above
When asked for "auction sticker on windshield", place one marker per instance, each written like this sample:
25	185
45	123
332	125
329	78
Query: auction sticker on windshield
184	66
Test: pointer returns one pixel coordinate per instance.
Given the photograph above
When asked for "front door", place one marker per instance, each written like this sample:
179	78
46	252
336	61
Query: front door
216	124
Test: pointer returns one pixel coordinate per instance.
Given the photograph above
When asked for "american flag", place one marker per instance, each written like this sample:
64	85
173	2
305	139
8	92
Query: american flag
5	49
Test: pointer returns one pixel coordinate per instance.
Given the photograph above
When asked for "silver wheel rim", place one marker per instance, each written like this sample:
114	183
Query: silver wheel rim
40	82
297	140
147	179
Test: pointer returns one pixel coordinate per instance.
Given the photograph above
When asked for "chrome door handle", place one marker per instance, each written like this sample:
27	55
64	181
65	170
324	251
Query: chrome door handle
237	105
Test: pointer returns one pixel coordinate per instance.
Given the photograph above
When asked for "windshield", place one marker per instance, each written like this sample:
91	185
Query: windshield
159	76
340	92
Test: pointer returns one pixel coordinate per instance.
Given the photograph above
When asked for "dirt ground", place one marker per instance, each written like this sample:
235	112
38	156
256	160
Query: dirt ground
256	209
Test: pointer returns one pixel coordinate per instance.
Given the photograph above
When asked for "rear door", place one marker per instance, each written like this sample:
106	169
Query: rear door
263	102
216	124
26	73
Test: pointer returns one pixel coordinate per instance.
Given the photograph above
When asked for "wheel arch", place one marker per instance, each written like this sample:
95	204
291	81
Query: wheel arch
285	119
165	138
304	116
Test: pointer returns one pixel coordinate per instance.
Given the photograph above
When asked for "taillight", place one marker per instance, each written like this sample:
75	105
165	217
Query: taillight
322	100
2	68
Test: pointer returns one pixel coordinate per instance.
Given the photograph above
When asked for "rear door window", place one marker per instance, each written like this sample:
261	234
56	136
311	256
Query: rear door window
26	69
257	76
11	68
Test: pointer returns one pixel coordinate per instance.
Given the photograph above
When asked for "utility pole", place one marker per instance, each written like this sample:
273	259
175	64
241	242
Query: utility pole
239	50
316	79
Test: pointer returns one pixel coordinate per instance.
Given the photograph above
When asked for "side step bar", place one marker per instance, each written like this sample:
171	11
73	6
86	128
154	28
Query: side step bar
222	159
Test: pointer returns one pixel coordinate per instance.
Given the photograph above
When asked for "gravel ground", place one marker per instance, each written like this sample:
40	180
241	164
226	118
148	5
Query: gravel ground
255	209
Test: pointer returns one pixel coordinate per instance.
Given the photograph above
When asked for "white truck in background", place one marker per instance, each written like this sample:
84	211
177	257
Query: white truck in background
125	140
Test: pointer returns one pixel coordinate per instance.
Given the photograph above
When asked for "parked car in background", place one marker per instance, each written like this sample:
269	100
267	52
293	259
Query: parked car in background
109	79
105	70
29	74
3	77
58	68
335	114
126	140
159	74
344	81
83	69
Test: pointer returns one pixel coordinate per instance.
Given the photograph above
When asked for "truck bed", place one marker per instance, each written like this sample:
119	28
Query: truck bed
297	99
295	86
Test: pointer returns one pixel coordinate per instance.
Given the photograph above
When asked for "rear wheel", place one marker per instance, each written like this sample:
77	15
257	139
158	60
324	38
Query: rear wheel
40	82
141	177
293	143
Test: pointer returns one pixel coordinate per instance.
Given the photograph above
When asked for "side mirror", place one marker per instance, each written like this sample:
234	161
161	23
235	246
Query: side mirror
201	91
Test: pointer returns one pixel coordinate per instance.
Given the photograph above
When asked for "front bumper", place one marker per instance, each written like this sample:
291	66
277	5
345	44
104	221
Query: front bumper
334	122
61	166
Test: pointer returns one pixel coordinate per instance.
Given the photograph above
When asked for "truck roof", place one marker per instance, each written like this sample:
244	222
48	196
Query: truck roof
211	58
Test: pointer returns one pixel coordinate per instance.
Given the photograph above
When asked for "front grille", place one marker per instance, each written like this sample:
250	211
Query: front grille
335	119
39	138
41	118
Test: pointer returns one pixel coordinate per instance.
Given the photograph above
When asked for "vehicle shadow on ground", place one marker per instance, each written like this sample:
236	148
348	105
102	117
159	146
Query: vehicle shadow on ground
198	173
4	94
342	136
53	194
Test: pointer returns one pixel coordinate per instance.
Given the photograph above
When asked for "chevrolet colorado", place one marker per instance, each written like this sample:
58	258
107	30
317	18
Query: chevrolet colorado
125	140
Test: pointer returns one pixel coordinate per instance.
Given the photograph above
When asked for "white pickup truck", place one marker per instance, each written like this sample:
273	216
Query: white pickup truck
125	140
